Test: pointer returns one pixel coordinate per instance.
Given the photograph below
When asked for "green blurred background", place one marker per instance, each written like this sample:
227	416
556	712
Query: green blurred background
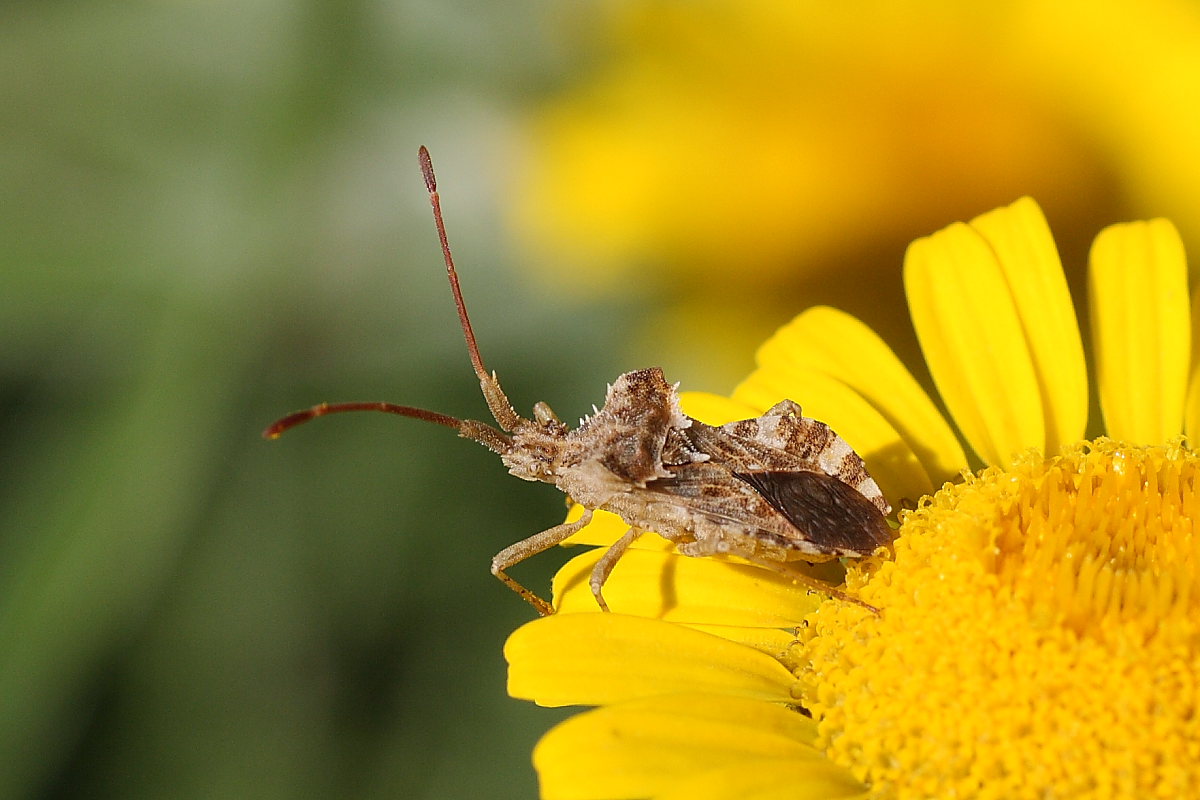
212	215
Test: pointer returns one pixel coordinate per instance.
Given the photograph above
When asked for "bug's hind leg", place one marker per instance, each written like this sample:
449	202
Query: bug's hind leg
720	547
786	570
516	553
605	565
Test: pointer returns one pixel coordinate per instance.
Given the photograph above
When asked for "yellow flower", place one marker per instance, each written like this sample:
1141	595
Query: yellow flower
758	133
1040	624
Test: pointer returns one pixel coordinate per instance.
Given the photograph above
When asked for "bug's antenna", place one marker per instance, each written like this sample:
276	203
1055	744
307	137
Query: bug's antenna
436	201
277	428
480	432
497	401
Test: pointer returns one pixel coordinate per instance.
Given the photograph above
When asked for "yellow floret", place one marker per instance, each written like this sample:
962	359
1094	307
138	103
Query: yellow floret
1040	636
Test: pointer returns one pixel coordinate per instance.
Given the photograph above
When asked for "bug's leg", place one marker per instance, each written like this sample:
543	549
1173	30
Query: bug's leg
605	565
812	583
516	553
719	547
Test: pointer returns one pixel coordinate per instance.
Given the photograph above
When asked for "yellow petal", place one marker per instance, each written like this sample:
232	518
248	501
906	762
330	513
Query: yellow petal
1028	258
839	345
889	459
1141	329
768	779
971	335
713	409
650	746
775	642
596	659
682	589
1191	419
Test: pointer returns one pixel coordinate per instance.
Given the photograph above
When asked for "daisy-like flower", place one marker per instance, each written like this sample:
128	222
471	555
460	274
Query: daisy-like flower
1039	633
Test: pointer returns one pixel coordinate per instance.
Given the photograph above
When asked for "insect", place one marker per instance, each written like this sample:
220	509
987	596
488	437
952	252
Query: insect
772	490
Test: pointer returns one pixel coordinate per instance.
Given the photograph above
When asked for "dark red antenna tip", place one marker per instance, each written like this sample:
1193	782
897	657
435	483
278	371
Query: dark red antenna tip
427	169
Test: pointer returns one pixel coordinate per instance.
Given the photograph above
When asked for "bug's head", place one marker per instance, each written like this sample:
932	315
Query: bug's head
536	453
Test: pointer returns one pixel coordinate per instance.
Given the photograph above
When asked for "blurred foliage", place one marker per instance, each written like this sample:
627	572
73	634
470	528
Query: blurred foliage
212	216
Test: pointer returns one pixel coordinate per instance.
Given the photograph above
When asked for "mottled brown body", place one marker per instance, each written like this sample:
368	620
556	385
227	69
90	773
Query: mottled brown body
772	490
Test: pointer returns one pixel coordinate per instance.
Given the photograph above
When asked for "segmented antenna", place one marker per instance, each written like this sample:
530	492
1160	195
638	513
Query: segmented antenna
474	430
436	202
498	403
277	428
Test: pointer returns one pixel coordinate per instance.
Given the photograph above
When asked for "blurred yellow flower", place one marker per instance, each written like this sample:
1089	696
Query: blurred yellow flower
717	153
1040	625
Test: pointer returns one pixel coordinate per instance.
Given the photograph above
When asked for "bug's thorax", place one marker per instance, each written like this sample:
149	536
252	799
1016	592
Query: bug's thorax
619	446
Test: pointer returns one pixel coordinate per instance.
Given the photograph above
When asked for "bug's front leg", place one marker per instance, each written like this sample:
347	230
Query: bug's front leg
516	553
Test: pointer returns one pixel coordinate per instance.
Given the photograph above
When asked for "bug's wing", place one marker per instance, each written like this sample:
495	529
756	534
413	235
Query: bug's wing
783	441
833	516
706	494
803	511
789	478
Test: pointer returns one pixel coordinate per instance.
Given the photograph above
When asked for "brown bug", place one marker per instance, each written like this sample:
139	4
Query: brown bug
771	490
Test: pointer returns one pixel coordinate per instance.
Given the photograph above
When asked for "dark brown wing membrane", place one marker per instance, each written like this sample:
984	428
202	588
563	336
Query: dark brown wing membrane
831	514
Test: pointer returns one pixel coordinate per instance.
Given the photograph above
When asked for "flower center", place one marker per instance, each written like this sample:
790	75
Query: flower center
1040	636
